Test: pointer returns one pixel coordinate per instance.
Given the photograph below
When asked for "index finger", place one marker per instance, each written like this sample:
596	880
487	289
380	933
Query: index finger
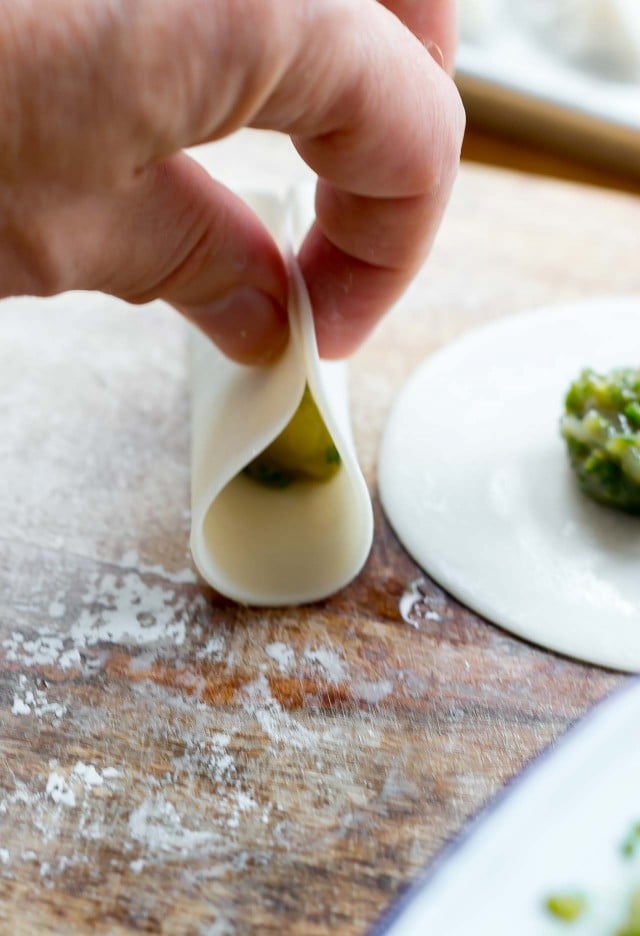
386	144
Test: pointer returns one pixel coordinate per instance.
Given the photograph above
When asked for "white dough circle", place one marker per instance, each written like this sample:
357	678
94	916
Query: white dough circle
475	480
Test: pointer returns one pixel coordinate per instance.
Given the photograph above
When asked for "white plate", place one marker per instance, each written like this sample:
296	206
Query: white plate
475	480
558	828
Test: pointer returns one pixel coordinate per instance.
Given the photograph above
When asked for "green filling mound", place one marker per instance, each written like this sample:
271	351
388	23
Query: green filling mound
304	451
601	426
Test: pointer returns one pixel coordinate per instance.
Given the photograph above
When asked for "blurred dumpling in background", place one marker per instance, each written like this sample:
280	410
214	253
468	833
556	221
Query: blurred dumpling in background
602	36
480	19
563	73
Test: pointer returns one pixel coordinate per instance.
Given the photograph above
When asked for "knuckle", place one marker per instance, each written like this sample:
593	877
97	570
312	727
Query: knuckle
190	254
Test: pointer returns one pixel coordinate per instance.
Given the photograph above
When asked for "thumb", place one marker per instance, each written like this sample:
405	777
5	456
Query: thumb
176	234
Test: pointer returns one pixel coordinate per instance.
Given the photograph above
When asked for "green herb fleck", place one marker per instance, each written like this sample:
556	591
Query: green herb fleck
566	907
333	455
268	474
632	412
632	841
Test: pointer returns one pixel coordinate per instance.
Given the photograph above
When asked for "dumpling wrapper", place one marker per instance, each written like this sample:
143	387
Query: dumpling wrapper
475	480
256	544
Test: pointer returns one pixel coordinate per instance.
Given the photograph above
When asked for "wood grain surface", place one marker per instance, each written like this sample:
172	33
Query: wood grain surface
173	763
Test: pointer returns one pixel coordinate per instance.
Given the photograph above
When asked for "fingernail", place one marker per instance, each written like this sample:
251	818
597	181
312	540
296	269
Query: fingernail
435	52
248	325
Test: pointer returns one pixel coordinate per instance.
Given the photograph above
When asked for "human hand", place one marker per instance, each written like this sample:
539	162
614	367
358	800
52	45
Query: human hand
98	98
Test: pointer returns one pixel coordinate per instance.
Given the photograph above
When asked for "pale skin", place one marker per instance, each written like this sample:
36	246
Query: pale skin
98	99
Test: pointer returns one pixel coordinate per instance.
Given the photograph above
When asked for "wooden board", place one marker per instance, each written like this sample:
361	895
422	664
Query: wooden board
172	763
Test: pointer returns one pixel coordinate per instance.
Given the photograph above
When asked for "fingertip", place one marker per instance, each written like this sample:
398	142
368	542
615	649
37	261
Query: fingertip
332	347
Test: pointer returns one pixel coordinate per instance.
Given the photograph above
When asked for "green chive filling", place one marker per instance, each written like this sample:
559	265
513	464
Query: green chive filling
304	450
601	426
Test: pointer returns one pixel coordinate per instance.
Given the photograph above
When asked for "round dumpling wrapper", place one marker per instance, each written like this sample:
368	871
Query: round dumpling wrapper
475	480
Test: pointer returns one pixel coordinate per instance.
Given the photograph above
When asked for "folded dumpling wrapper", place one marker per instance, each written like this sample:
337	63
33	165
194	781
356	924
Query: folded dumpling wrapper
256	544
